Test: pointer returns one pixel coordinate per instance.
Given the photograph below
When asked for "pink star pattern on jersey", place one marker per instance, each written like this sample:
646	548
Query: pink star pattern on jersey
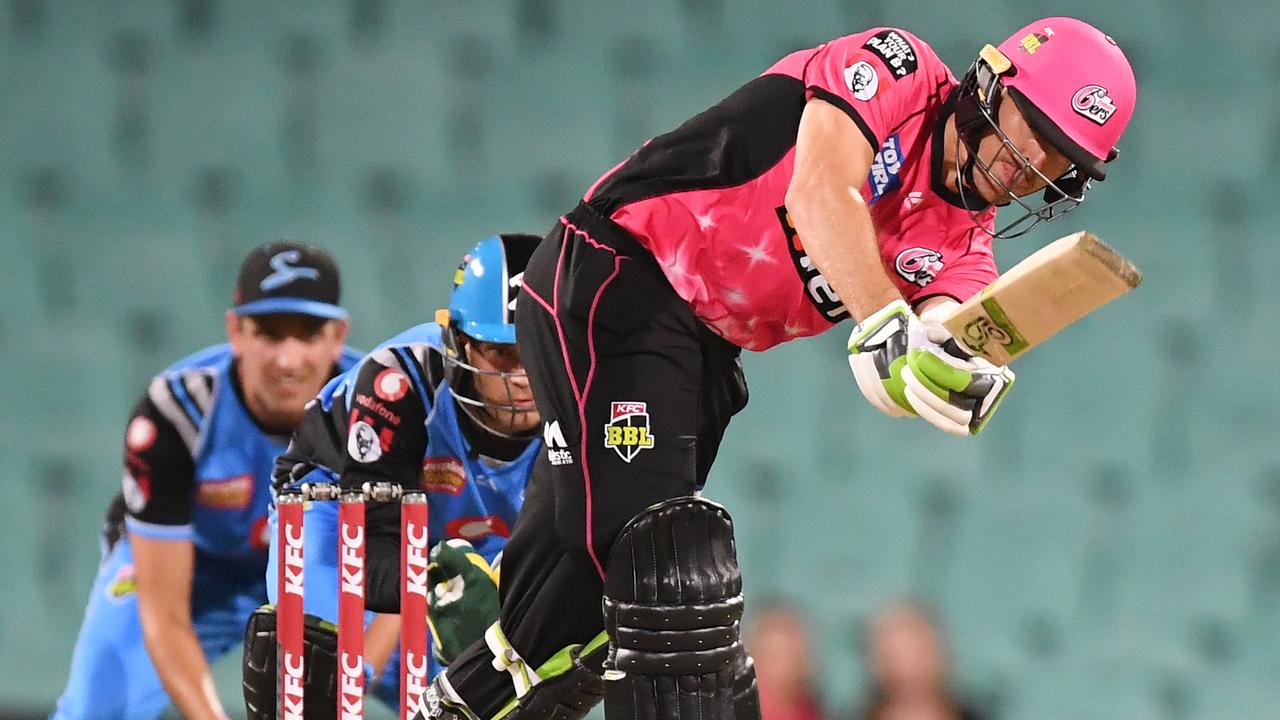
732	253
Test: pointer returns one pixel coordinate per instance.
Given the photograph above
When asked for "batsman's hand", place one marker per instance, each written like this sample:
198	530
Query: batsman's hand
909	365
463	600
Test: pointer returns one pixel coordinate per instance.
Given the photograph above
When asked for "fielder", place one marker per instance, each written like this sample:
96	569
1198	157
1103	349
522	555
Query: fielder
445	407
186	545
855	179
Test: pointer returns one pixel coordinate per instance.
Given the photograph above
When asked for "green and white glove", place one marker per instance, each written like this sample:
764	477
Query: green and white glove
909	365
877	353
463	600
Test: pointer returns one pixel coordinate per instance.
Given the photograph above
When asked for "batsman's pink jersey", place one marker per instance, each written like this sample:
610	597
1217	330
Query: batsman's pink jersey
707	198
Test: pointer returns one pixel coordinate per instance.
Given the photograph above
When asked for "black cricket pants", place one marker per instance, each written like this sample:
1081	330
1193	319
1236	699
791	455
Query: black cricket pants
635	394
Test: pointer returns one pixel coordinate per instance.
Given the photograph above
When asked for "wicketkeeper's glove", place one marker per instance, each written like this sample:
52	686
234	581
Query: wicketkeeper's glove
463	598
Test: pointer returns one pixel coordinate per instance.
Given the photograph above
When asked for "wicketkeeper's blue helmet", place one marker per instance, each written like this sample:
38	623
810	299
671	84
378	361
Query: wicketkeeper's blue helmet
483	301
482	307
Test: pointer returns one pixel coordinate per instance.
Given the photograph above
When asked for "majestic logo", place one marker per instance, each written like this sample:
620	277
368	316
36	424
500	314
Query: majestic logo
445	474
821	294
896	52
883	175
285	272
230	494
390	385
628	429
918	265
557	449
1093	102
862	79
912	200
363	444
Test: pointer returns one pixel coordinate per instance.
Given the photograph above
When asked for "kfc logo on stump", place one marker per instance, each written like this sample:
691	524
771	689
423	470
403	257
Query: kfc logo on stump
628	430
918	265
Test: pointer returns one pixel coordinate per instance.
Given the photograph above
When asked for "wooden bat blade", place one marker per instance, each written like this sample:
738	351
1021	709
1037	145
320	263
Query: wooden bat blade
1049	290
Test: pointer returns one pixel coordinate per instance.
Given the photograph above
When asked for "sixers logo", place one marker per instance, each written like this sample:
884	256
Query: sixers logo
918	265
1093	102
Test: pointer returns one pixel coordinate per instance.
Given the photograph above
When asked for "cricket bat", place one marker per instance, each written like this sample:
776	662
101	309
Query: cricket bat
1050	289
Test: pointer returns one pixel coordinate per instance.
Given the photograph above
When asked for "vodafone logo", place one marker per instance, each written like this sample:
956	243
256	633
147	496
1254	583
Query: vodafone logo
390	385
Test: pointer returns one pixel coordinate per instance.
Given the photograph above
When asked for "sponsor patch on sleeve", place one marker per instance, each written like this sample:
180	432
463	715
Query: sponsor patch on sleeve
895	50
862	79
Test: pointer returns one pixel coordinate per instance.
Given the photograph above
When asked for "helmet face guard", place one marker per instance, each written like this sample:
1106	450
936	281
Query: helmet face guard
1073	87
977	116
482	308
489	414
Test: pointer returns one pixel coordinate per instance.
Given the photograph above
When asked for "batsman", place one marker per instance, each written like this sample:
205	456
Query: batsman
855	179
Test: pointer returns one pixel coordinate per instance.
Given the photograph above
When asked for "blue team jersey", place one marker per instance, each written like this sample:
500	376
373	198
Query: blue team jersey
470	496
198	466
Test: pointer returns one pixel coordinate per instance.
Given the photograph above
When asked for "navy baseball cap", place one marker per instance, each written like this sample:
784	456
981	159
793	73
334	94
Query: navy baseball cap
289	277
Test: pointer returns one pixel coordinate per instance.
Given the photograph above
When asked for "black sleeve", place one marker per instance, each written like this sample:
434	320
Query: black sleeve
386	434
382	558
159	475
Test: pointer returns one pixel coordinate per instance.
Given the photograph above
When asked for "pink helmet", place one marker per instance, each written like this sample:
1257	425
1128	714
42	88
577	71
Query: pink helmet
1078	84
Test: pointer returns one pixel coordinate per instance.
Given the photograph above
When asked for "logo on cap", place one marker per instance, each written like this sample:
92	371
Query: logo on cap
1093	102
286	273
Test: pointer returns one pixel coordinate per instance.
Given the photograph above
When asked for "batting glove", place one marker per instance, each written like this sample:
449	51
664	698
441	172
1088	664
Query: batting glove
463	601
878	352
952	389
906	365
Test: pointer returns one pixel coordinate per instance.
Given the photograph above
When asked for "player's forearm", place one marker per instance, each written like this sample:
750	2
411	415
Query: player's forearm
835	226
179	660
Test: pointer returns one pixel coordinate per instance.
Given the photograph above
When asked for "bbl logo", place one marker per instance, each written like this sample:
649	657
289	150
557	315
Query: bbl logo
628	429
